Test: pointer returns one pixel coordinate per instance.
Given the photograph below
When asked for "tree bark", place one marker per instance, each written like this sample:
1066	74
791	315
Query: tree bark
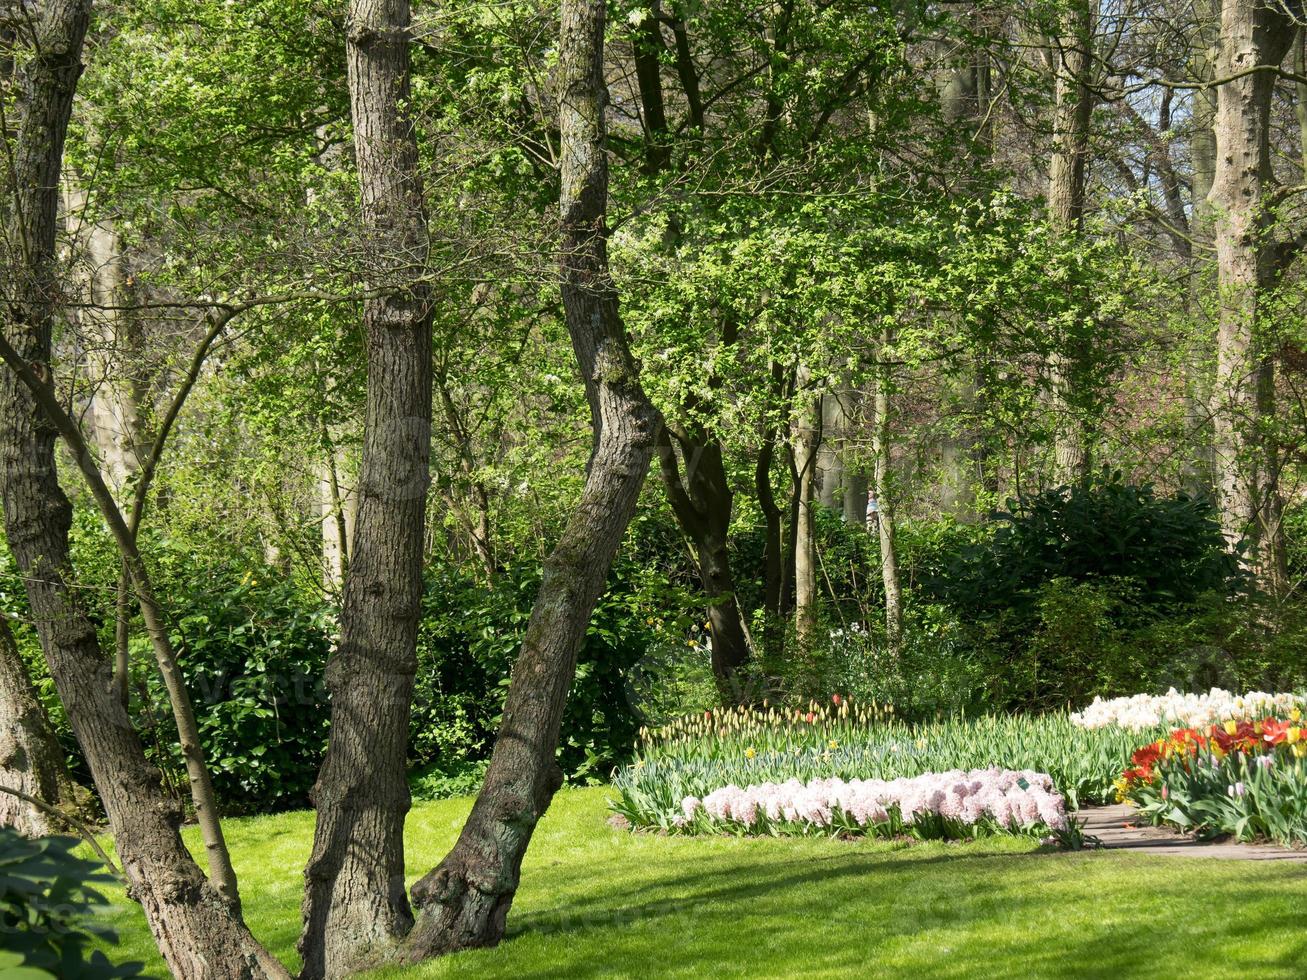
31	760
773	552
830	460
1200	465
355	907
807	442
885	491
1254	35
198	929
115	355
1066	208
464	901
702	502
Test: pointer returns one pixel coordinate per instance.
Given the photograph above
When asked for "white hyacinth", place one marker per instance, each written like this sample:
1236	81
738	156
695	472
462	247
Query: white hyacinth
1185	710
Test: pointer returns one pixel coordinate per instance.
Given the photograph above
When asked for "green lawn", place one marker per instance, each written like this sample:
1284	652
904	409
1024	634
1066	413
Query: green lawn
596	901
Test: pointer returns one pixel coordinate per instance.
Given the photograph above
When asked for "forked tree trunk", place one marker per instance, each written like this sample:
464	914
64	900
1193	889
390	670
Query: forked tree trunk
464	901
355	907
31	760
199	931
1254	35
702	501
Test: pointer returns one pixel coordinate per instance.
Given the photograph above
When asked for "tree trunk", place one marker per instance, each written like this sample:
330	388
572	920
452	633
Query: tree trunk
702	502
1253	35
355	907
338	513
830	455
464	901
1199	472
773	553
199	931
884	488
115	357
31	760
807	441
1066	207
649	48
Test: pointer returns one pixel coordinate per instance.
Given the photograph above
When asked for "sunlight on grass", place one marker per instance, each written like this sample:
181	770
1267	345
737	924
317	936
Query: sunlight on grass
597	901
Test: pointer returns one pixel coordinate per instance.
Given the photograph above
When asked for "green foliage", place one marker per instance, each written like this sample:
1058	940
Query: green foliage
1169	548
448	778
252	652
936	673
48	909
470	635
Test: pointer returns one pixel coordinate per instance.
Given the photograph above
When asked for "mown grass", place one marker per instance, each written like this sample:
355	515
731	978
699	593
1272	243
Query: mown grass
601	902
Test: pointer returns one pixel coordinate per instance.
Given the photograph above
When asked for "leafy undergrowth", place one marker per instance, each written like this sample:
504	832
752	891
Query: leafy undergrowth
597	901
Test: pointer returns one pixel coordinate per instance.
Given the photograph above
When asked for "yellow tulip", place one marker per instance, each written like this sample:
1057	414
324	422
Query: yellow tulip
1231	727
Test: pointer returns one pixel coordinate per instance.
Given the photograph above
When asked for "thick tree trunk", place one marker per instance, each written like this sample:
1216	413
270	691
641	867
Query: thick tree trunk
1253	35
355	907
31	760
1066	207
464	902
843	484
830	456
199	931
702	502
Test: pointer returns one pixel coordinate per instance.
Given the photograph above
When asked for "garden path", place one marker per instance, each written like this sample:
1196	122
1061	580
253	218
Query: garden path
1116	827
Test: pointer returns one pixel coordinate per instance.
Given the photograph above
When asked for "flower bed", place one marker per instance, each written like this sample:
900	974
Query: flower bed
1245	779
949	805
1174	709
698	755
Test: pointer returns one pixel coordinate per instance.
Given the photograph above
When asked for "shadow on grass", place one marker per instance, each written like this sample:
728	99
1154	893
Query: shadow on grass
893	913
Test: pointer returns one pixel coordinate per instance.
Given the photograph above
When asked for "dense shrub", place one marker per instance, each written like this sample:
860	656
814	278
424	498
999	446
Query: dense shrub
252	651
1169	549
470	635
48	904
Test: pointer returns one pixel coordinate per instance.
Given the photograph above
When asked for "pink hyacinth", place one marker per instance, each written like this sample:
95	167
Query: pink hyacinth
1008	798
